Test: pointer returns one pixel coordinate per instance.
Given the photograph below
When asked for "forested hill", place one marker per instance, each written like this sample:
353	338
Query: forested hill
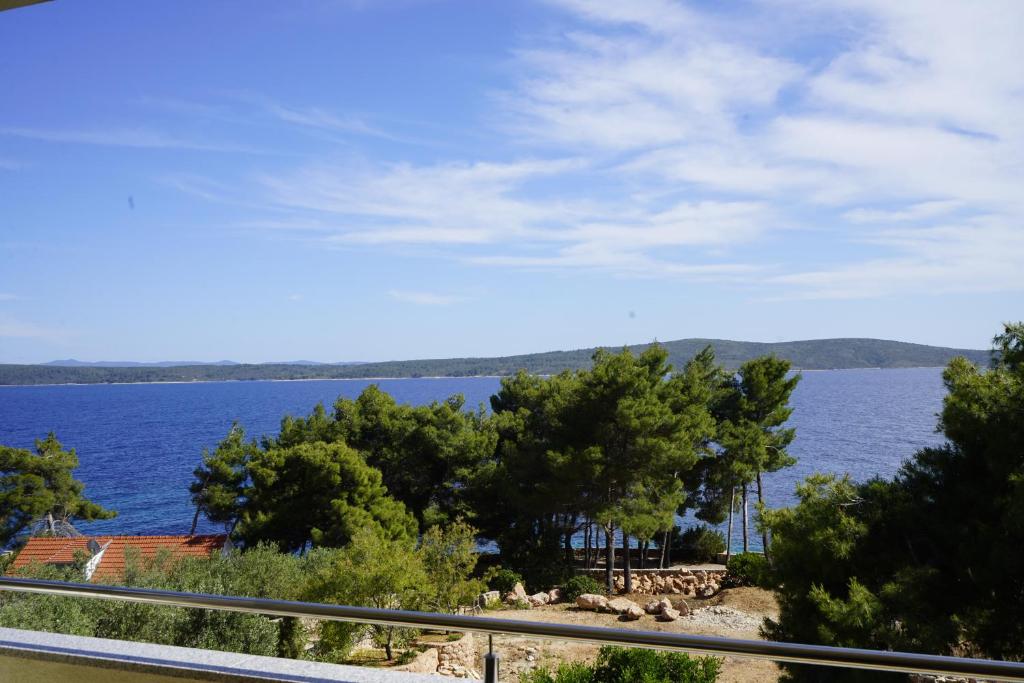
817	354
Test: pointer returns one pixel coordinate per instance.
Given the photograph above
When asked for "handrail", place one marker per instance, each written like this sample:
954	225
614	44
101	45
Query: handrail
853	658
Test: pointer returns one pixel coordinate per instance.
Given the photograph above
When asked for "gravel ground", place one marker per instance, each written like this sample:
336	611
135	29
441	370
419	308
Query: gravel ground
735	613
725	618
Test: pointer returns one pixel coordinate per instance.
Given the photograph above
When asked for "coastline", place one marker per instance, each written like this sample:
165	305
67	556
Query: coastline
382	378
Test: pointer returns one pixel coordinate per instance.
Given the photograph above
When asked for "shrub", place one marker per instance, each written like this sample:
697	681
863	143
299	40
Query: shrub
578	585
749	569
701	544
504	580
618	665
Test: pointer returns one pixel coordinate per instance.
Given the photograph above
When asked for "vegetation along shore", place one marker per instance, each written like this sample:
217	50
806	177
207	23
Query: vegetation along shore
820	354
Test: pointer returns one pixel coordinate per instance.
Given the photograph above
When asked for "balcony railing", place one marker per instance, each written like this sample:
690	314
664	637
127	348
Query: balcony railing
852	658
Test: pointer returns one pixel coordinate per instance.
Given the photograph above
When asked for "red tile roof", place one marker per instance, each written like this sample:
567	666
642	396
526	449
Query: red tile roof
51	550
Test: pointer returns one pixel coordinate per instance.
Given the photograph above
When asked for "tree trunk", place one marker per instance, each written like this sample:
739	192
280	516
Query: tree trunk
195	522
668	547
728	540
745	525
643	553
609	559
626	575
387	643
664	544
586	545
764	529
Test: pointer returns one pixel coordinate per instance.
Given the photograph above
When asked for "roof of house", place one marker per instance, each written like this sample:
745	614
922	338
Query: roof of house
61	550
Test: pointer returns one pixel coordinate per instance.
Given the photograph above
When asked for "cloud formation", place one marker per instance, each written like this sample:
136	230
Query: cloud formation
662	138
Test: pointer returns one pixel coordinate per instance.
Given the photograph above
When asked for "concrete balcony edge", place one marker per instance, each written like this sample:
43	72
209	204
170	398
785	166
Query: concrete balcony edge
40	656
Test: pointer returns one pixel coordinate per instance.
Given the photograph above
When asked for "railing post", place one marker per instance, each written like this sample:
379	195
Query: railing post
490	662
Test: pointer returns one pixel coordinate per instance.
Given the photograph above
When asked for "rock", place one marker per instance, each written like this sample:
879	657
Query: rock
622	605
538	599
633	612
664	604
668	615
554	595
488	597
706	591
520	591
425	662
592	601
652	607
683	608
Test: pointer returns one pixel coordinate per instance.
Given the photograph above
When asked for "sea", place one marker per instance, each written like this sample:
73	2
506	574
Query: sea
138	444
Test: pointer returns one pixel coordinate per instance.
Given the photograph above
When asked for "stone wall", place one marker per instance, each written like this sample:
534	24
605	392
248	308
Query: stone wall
688	583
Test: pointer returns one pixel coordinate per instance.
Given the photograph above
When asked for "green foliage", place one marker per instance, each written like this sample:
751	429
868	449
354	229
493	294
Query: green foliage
374	570
295	496
578	585
619	665
701	544
929	561
449	558
749	569
34	484
504	580
424	453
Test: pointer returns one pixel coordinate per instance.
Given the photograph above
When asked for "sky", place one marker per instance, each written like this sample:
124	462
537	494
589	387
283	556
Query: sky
343	180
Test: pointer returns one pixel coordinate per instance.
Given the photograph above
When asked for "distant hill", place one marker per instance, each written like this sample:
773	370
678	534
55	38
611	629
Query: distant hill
818	354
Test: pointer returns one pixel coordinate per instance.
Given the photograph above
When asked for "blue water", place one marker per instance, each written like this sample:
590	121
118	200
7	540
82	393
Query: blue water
138	443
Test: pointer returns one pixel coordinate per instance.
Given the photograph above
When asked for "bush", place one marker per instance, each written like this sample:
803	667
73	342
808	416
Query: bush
749	569
504	580
701	544
578	585
618	665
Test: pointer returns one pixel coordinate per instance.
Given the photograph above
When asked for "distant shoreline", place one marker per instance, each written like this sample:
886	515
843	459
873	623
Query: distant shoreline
381	379
810	355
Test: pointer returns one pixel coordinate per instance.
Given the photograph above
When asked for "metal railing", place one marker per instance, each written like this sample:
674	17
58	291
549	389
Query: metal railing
821	655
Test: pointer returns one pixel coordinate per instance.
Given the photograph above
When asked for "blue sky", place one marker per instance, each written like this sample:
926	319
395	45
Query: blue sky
341	180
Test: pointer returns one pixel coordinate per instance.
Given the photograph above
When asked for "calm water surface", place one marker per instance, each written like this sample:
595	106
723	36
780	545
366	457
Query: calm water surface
138	443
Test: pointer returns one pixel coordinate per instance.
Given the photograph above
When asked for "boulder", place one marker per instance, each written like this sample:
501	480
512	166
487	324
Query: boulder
683	608
592	601
538	599
554	595
633	612
622	605
488	597
520	591
668	615
653	607
425	662
664	604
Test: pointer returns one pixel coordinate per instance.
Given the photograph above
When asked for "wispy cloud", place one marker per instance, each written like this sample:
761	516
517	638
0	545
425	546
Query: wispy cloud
7	296
674	139
424	298
121	137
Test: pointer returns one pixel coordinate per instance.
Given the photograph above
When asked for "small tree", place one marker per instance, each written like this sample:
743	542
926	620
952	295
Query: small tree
374	570
449	557
39	485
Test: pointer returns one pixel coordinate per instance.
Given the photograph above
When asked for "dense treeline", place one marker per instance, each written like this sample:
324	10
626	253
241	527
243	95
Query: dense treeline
929	561
613	453
808	355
